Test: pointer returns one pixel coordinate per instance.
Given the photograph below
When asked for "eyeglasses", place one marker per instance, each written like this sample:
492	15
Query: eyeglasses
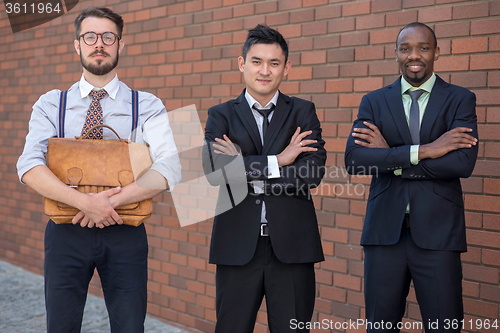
108	38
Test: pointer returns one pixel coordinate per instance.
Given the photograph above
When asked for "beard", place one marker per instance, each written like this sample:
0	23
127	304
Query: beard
99	69
415	79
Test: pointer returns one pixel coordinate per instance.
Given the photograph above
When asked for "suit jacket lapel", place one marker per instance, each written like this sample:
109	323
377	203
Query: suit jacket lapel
245	113
437	98
280	114
395	103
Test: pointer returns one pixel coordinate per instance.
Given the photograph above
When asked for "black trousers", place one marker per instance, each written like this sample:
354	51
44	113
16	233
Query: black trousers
437	278
120	255
289	290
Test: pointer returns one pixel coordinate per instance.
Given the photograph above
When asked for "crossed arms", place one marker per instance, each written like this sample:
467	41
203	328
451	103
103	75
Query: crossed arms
451	155
301	151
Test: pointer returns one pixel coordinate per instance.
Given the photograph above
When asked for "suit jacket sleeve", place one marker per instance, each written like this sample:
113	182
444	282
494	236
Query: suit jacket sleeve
458	163
309	167
360	160
214	165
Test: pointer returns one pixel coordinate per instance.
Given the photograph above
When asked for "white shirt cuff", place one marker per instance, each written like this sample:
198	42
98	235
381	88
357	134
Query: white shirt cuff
414	154
273	169
258	186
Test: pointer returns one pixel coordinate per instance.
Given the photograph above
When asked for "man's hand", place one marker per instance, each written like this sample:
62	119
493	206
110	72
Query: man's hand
225	147
454	139
97	210
371	136
295	148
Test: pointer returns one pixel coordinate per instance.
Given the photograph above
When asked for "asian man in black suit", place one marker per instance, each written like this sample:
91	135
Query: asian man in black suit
268	243
417	137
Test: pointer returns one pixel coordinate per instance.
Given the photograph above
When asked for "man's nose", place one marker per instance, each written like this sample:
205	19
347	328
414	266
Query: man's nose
414	54
265	69
99	43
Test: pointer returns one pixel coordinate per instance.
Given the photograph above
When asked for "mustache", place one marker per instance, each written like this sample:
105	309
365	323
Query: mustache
99	52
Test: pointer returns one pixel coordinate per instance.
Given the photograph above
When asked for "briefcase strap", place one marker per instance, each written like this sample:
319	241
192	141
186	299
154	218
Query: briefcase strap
135	113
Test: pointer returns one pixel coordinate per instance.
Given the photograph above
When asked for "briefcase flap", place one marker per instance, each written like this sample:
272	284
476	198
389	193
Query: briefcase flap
87	162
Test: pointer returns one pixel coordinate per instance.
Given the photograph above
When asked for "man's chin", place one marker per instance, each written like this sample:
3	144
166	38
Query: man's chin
265	90
414	78
99	70
99	67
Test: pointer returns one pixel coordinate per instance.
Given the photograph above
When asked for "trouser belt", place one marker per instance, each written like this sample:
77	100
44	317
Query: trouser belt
264	230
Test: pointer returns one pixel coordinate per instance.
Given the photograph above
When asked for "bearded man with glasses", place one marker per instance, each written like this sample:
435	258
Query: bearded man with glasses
97	238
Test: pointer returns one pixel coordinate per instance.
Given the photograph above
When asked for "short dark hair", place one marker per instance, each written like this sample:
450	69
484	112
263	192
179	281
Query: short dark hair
418	24
262	34
100	12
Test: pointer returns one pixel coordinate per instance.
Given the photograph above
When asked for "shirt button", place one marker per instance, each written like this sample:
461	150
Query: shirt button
257	202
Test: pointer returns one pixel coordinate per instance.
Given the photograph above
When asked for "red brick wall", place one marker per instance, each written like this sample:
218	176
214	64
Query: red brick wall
185	52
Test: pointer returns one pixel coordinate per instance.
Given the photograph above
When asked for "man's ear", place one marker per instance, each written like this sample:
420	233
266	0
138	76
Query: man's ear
121	45
436	53
288	65
76	44
241	63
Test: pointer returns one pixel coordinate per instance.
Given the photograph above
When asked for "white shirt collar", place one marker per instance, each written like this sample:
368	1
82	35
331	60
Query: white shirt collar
111	88
252	101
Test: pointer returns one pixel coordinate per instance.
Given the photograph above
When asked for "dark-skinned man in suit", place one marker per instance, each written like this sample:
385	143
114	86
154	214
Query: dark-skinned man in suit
417	137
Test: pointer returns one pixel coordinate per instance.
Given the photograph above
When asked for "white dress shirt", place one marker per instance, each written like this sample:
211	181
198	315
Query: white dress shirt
153	125
273	170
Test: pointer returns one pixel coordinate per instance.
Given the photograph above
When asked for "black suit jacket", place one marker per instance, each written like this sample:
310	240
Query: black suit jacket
432	187
293	227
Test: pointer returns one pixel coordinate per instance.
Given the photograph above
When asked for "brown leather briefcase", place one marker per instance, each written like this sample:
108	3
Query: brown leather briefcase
92	166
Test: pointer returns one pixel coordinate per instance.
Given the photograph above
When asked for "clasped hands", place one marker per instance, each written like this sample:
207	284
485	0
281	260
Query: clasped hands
454	139
296	146
99	209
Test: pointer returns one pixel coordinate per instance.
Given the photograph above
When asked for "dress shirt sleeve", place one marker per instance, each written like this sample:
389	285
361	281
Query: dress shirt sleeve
42	126
157	133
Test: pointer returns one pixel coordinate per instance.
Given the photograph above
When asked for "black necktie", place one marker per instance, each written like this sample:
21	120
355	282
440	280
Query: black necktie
415	115
265	113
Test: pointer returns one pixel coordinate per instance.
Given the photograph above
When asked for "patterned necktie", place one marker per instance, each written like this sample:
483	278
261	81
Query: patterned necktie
265	113
94	115
415	115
